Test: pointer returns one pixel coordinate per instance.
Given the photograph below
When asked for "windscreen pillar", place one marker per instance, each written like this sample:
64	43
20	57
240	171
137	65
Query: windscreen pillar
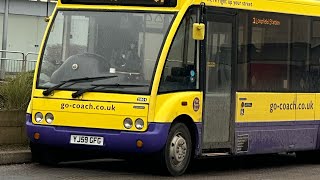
4	39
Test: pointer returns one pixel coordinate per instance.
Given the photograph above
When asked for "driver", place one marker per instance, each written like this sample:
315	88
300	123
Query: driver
128	60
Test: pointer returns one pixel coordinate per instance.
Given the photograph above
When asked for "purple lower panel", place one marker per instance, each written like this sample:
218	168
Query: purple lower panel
114	141
276	137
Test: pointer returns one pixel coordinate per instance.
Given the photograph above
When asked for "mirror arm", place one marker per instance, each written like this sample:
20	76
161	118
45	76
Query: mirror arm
202	11
199	28
47	18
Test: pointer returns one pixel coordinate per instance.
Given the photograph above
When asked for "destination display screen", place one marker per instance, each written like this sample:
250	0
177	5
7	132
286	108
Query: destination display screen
162	3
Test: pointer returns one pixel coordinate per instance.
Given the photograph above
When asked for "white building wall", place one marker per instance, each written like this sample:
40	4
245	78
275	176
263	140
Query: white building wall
26	7
26	27
2	6
1	28
25	33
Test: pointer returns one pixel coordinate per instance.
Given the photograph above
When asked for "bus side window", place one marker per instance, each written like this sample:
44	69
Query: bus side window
180	72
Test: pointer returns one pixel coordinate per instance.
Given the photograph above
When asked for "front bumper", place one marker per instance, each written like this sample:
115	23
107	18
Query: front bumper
115	141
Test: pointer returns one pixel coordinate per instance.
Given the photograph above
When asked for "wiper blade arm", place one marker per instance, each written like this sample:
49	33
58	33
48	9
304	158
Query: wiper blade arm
76	80
49	90
120	85
82	91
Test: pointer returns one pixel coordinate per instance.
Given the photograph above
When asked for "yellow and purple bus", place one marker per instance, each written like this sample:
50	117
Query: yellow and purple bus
178	79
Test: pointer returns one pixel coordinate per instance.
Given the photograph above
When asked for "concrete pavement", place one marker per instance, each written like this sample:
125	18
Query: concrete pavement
262	167
14	154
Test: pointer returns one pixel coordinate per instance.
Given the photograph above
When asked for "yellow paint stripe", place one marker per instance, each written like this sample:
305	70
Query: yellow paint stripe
275	107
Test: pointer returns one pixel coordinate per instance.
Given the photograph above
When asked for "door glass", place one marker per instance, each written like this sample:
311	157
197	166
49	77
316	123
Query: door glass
180	72
219	57
218	79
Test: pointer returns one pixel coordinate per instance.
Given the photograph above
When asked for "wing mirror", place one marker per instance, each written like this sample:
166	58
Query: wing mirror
47	19
199	30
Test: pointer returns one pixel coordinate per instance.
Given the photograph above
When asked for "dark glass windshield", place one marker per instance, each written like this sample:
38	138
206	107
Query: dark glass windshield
90	44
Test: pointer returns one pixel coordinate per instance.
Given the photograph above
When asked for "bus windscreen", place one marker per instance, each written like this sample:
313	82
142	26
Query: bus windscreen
163	3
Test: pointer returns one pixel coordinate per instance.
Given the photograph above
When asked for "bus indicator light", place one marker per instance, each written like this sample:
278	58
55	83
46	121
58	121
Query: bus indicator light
139	144
36	136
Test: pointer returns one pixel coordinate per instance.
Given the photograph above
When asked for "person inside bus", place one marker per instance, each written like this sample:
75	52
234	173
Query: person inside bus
127	59
133	59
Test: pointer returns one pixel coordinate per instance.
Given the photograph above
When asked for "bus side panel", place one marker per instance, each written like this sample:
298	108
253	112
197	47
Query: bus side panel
275	122
317	116
258	138
172	105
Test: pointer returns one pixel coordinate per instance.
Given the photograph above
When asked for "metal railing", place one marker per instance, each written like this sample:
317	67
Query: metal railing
17	62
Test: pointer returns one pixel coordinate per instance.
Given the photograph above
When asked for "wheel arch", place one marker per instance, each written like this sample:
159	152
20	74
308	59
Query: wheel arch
193	129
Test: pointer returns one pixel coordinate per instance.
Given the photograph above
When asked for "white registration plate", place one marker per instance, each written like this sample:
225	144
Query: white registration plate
86	140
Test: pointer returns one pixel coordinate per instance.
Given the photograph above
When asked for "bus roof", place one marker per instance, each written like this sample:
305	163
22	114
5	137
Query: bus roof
299	7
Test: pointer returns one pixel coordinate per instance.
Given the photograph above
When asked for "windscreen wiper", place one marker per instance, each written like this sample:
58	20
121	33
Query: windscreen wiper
80	92
76	80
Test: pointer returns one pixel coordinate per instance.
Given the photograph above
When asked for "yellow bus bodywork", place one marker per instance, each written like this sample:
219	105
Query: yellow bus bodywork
166	107
275	107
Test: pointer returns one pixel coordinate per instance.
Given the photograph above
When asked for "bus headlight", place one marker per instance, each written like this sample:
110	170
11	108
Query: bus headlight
38	117
49	118
139	123
127	123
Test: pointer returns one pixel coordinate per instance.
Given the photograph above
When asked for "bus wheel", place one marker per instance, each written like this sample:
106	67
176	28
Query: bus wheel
44	155
308	156
177	151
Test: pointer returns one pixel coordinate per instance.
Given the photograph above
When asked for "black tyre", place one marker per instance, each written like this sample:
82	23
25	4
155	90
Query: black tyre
308	156
44	155
176	154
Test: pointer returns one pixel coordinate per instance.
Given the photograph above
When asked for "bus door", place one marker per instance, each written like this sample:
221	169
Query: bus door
218	98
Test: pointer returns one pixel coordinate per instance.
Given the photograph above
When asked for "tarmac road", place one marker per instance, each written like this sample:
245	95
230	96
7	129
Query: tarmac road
266	167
